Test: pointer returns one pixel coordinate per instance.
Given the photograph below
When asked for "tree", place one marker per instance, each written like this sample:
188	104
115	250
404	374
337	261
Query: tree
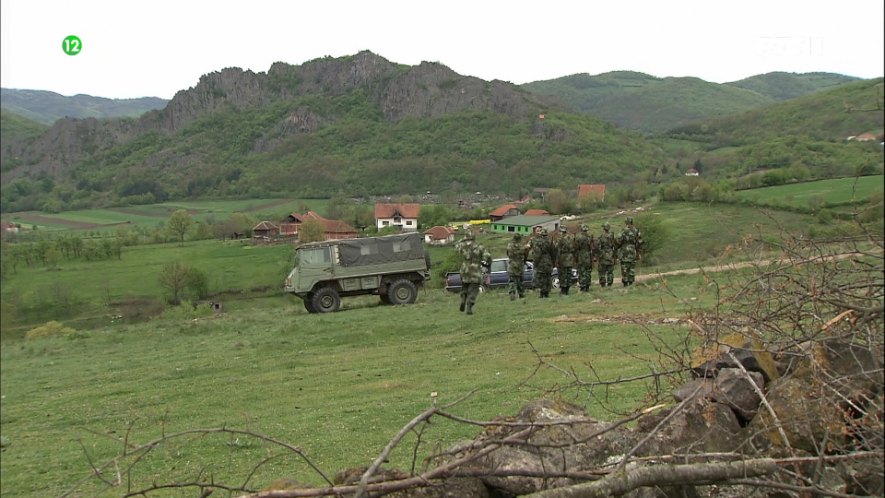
178	224
311	231
181	282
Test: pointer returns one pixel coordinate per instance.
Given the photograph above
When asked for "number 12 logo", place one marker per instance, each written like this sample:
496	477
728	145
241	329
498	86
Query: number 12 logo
71	45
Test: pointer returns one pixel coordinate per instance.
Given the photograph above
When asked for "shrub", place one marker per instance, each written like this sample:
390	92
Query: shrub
49	329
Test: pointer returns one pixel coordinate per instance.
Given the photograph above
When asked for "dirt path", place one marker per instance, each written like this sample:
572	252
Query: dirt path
705	269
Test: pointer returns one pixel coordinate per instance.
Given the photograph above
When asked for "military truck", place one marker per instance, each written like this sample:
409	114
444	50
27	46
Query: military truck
390	266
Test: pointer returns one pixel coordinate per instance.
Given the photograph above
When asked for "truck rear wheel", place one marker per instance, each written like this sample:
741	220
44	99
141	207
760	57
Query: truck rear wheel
402	292
325	300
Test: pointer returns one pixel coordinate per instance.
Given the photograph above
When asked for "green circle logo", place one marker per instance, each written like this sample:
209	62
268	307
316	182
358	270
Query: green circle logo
72	45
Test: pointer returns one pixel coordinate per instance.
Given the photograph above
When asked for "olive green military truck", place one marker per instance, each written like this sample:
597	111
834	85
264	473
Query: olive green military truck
390	266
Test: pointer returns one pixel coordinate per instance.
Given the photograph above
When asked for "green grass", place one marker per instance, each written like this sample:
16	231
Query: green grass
338	386
838	192
156	214
697	234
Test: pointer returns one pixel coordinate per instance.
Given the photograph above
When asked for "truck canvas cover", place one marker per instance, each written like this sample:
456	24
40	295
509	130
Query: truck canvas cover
375	250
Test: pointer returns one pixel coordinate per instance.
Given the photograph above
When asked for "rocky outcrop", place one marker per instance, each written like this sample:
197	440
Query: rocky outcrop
429	90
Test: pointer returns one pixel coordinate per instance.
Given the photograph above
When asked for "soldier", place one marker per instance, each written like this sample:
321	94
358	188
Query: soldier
630	245
543	255
474	258
565	250
584	257
516	251
606	247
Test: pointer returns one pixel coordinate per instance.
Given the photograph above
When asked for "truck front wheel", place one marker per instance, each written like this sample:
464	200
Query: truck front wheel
325	300
402	292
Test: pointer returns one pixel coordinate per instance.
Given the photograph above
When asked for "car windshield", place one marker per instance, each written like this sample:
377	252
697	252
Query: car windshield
499	265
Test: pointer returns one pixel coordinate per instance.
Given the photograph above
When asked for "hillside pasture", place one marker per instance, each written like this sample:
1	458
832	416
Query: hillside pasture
338	386
155	214
844	193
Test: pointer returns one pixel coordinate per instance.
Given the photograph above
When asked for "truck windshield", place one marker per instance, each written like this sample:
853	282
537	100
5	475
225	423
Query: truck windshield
318	256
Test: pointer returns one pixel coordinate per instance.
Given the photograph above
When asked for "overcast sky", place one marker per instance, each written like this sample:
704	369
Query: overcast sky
158	47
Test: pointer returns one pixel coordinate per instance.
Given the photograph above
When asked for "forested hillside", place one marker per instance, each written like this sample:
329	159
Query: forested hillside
650	104
357	125
48	107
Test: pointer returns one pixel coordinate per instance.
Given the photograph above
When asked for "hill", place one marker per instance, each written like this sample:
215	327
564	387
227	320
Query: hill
785	86
802	138
650	104
14	127
48	107
358	124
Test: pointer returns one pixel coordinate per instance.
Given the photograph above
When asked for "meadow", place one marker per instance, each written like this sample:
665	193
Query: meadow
336	386
843	193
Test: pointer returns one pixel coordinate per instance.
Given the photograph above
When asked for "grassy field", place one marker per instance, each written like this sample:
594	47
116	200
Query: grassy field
338	386
155	214
842	192
88	292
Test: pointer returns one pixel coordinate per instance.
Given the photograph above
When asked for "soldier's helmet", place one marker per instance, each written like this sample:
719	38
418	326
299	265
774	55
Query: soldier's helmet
629	220
606	226
584	228
563	229
544	232
517	236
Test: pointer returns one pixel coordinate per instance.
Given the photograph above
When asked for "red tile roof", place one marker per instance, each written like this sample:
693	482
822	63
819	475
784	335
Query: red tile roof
503	210
536	212
591	189
409	210
440	232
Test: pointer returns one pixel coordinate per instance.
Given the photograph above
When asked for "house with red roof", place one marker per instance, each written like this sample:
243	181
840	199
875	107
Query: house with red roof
591	192
440	235
503	212
332	229
265	230
536	212
404	216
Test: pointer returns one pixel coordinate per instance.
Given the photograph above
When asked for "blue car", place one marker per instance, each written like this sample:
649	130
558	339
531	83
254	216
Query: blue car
497	276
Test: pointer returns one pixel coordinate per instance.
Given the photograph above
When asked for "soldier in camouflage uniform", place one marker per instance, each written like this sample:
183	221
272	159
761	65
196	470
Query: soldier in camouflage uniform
516	252
584	257
565	250
630	245
543	254
606	253
474	258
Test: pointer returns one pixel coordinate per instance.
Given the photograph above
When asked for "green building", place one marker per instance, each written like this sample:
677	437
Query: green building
525	224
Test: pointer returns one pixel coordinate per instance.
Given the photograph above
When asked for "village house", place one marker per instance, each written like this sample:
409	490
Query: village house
332	229
525	224
440	236
265	230
503	212
591	192
404	216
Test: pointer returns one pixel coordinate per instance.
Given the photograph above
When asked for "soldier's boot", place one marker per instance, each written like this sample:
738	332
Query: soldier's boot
564	291
469	309
461	308
545	294
513	296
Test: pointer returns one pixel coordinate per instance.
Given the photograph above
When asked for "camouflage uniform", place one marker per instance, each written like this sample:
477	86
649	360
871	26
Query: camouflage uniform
516	252
543	255
565	251
474	258
606	247
630	244
584	257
